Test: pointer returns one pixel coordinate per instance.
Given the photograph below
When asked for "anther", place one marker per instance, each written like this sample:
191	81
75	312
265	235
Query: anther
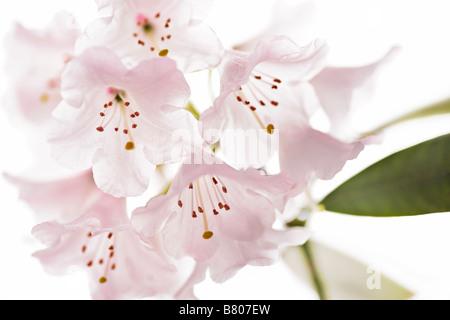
207	234
163	53
270	128
102	280
129	145
180	204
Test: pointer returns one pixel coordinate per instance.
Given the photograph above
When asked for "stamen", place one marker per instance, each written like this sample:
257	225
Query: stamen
102	247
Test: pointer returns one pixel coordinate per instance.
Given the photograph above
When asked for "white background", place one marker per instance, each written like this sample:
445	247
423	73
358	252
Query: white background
414	250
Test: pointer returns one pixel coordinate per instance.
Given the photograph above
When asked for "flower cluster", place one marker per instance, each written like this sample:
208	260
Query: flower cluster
115	98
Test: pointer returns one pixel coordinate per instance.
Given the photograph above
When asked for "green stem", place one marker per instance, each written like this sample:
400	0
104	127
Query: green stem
191	108
311	263
437	108
313	269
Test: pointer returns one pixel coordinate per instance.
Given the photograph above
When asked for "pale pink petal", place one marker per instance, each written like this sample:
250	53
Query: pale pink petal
60	200
234	255
336	88
305	152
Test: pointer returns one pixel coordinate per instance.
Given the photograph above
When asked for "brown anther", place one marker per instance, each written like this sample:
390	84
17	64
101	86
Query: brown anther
200	209
227	207
89	264
116	129
194	215
252	108
239	98
274	103
214	180
110	235
180	204
102	114
277	80
258	77
157	15
137	114
134	126
129	145
135	34
126	104
142	43
220	205
99	129
111	247
215	212
100	261
274	87
83	249
224	189
163	53
125	131
207	234
110	103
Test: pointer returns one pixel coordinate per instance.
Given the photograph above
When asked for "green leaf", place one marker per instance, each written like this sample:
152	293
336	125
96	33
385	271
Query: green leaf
413	181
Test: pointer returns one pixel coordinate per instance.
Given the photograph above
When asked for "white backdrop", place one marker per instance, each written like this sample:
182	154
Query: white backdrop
413	250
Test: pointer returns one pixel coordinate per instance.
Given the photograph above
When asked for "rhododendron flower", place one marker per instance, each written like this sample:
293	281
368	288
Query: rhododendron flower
221	217
140	29
100	241
259	89
270	88
33	64
120	120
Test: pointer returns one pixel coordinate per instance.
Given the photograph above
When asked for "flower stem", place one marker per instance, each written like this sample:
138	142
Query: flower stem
313	269
314	273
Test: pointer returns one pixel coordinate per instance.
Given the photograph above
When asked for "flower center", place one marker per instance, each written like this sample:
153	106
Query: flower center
205	194
153	32
121	113
258	93
98	252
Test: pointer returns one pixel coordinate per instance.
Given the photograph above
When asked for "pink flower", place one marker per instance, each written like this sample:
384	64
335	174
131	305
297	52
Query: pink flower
100	241
120	121
140	29
258	90
221	217
337	87
33	64
61	199
269	90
